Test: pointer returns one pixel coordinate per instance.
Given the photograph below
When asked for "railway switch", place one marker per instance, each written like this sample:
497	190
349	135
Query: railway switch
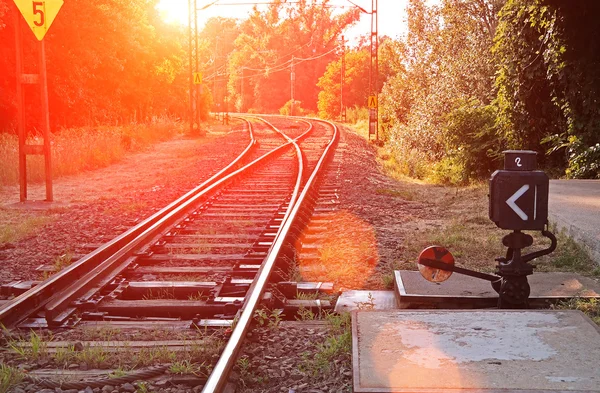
518	200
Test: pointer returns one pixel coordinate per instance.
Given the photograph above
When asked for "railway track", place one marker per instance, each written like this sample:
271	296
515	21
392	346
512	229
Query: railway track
209	259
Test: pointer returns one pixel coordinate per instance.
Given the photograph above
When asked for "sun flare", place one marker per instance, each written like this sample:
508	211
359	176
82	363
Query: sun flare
174	11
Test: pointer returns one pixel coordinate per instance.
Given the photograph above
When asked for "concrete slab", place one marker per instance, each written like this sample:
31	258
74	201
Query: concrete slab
460	291
491	351
360	300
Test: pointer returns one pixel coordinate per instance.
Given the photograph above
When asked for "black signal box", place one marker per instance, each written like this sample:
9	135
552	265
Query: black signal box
519	193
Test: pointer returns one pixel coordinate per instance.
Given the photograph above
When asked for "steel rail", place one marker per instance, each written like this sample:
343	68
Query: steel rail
218	378
117	262
35	298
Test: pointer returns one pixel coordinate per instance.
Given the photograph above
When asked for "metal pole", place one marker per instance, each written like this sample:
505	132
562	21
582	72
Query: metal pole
215	100
342	77
191	11
46	122
242	103
371	52
197	61
20	109
292	80
376	16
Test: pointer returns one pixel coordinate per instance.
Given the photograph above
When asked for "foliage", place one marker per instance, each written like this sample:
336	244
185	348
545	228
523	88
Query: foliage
107	63
216	44
472	150
356	81
303	36
286	110
548	54
436	106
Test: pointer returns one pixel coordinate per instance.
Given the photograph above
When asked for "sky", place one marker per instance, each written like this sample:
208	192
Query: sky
392	15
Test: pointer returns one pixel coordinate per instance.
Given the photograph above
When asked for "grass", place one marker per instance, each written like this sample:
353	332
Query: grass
408	195
9	377
463	226
474	240
193	358
162	293
94	357
590	307
271	319
78	149
63	260
337	346
142	387
14	227
190	368
569	256
32	349
388	280
117	373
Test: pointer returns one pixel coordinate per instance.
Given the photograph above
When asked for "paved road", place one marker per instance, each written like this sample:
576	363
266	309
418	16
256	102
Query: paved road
575	206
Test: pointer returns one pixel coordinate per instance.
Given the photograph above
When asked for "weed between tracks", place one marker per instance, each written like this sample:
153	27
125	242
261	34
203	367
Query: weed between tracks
9	377
336	348
35	350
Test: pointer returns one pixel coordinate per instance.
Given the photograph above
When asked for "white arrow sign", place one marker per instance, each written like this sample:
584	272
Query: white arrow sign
511	202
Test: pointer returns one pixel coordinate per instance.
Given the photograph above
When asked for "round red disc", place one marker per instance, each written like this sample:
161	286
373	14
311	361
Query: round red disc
435	253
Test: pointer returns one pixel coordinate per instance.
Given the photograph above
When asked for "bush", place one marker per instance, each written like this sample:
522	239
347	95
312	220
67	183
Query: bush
357	114
584	162
472	150
286	109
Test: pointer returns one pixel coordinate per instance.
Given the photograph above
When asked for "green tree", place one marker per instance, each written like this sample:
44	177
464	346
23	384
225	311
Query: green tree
442	86
356	84
303	36
107	63
548	54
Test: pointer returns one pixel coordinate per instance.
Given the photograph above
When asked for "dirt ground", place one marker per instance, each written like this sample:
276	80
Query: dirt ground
407	216
397	217
92	207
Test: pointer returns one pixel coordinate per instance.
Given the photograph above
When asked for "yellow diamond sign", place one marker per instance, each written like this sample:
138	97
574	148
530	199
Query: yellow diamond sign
197	78
39	15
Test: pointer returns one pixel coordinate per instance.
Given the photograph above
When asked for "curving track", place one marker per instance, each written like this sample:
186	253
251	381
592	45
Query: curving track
209	258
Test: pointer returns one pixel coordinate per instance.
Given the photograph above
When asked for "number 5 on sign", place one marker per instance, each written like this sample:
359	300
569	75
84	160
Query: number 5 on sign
39	14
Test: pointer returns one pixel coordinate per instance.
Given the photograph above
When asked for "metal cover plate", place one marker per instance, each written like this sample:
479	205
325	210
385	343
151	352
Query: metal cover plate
486	351
459	291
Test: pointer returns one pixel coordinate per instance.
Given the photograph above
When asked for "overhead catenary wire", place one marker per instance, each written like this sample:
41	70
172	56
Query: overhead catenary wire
272	70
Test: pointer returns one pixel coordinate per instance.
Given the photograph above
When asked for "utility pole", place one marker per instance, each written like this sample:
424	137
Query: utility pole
292	80
342	77
242	91
374	73
194	67
215	100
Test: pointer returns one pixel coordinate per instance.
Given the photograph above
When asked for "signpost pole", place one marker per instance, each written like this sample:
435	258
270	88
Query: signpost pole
20	109
39	18
45	121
